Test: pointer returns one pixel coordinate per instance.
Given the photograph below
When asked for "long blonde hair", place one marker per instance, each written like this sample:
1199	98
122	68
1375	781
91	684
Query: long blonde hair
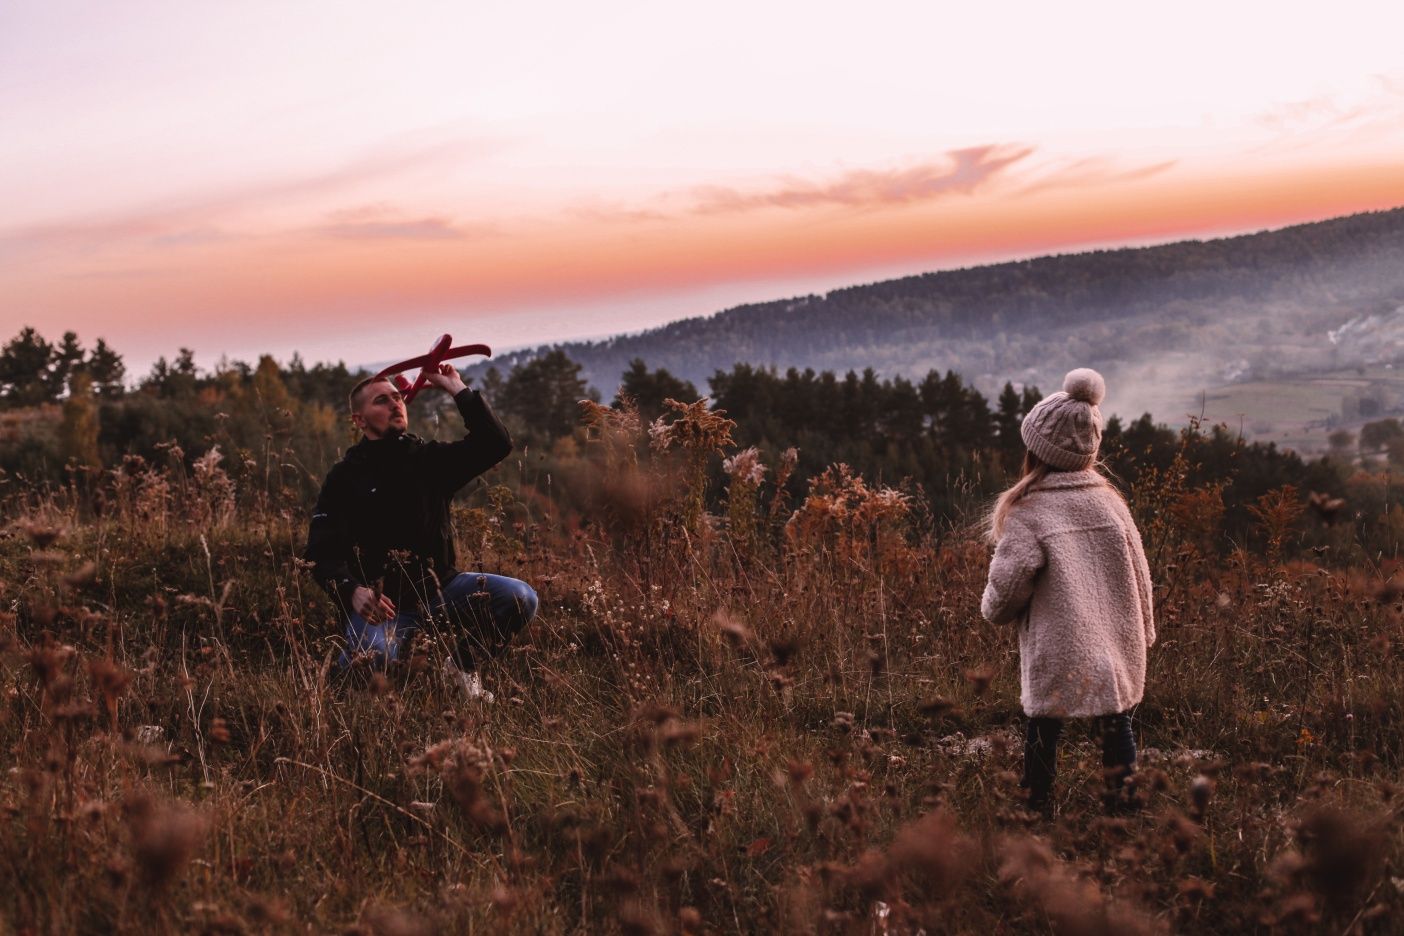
1035	470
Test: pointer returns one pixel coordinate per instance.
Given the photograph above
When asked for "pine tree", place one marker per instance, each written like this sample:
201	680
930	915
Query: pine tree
68	357
544	393
1007	419
106	370
24	369
492	385
648	389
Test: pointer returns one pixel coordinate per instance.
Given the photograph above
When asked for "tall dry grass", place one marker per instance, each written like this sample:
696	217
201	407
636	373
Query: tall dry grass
785	716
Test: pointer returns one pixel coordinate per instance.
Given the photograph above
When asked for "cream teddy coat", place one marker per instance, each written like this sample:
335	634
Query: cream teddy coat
1071	570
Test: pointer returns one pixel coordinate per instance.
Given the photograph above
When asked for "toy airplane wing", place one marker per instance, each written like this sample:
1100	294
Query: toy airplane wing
425	360
428	363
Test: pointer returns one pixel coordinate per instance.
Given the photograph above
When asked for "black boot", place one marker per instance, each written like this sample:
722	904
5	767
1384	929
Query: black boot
1041	763
1118	763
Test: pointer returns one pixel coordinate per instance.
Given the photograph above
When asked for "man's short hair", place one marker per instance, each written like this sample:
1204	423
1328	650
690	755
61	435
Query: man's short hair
355	398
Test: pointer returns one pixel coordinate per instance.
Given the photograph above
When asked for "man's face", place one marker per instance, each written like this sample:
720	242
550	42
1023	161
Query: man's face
382	410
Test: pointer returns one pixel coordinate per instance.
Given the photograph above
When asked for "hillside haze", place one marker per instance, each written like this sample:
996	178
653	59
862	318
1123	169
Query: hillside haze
1179	328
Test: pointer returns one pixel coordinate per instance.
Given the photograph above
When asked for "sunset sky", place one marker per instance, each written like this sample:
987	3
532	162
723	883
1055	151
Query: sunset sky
352	179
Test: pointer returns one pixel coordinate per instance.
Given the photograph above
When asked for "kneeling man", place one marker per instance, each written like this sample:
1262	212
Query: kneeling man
380	541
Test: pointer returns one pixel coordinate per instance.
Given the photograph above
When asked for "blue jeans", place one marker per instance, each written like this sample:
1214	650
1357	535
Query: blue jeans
481	613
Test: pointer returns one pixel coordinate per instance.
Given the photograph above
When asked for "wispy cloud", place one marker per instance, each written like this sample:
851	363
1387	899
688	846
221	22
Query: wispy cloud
202	218
382	221
1370	115
1093	170
962	172
1319	113
969	171
422	229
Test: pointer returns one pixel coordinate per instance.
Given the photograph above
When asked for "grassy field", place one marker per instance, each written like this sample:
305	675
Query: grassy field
786	718
1300	413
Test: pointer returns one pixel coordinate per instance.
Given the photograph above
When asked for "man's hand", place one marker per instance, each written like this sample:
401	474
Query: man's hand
447	379
376	609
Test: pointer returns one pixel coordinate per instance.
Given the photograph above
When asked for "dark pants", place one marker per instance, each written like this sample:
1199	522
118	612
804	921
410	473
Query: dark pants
1041	756
478	612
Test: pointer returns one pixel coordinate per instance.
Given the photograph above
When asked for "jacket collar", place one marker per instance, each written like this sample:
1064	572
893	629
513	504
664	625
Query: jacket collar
382	447
1067	480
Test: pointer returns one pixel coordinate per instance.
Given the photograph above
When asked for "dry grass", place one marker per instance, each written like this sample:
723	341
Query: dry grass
805	729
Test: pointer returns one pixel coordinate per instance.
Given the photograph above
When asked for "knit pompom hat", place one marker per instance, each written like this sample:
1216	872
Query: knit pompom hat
1064	429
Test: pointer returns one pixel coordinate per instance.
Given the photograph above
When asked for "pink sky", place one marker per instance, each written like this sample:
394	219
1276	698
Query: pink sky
350	181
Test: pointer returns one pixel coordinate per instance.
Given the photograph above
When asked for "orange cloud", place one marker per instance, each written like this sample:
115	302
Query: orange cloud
421	229
1092	171
965	172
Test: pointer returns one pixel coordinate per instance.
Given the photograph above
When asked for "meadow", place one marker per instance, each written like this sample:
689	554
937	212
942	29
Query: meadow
1301	412
737	711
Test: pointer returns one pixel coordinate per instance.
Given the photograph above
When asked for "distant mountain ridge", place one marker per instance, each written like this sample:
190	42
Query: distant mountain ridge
1162	322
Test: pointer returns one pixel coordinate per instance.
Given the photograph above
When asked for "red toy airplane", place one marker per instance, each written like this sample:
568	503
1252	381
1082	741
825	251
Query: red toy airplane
428	364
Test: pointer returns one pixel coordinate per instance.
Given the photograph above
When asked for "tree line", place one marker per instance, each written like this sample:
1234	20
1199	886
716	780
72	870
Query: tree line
938	436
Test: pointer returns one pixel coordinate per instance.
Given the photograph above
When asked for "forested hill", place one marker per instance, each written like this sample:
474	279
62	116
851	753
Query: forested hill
1166	320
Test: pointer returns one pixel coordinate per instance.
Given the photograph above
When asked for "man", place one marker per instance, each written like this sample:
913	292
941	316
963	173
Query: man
380	541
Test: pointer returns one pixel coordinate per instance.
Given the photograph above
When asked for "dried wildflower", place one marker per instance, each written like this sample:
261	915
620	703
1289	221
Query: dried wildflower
41	534
1343	853
392	921
1196	889
979	678
1326	507
745	467
504	899
936	706
695	427
690	921
165	836
637	920
1074	905
799	771
1182	831
81	576
933	849
1201	789
111	681
735	632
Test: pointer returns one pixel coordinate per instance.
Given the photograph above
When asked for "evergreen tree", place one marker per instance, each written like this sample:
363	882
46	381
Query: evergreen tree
492	385
1007	419
1028	400
67	358
106	370
902	418
24	369
173	381
543	396
648	389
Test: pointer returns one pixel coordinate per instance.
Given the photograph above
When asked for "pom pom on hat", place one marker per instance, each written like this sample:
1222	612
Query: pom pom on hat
1065	429
1086	385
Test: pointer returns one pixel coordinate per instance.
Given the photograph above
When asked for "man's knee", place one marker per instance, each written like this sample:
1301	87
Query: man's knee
524	602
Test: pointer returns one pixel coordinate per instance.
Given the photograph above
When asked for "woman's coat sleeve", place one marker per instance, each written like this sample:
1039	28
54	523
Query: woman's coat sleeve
1017	560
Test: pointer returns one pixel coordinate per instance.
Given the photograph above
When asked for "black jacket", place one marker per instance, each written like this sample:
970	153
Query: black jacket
382	518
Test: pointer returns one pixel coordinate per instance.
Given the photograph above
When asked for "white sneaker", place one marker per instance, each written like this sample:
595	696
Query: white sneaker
470	684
